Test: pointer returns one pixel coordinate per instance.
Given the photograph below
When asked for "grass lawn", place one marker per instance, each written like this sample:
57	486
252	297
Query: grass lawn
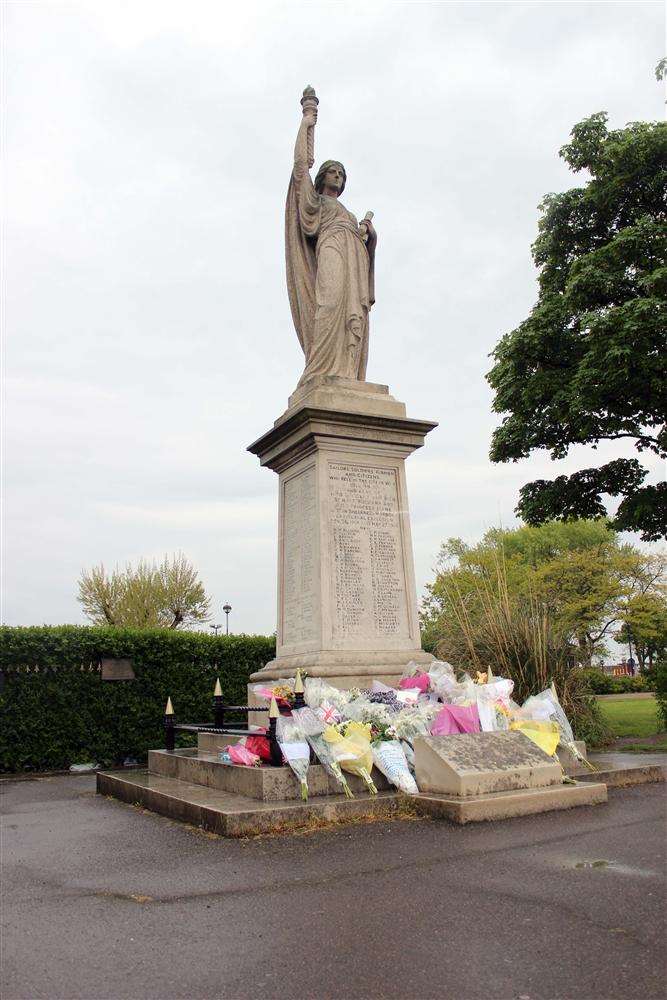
636	717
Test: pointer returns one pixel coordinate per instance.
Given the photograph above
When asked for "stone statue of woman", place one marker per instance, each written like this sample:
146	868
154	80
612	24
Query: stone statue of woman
330	263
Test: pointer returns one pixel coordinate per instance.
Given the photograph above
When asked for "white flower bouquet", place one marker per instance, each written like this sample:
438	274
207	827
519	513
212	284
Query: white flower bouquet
295	749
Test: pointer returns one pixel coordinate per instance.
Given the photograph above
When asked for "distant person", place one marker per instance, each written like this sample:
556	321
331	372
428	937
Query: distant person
631	666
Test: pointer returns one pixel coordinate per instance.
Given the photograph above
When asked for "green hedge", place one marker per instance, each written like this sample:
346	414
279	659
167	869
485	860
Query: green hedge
602	683
55	709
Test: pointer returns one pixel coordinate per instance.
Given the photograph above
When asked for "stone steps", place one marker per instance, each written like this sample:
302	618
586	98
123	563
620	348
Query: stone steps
265	784
232	815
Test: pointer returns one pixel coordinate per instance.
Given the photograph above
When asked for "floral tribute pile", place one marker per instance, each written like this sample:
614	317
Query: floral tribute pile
352	731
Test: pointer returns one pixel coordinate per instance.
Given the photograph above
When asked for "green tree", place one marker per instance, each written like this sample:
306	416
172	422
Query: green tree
645	626
590	362
165	595
578	571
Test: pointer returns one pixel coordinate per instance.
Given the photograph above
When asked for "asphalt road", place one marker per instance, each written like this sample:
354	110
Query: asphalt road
104	901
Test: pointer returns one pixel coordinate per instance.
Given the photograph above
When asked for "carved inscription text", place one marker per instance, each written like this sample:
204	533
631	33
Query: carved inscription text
369	598
300	612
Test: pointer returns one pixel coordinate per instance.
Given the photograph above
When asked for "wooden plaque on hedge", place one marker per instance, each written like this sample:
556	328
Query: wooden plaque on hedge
117	670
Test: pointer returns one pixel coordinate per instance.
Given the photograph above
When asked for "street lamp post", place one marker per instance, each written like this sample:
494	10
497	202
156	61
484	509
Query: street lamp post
215	629
227	608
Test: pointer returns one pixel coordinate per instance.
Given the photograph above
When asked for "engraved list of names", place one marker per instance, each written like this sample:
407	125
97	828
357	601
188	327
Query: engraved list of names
300	612
368	578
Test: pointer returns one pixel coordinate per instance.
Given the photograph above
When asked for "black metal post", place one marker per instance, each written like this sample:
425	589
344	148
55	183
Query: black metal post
274	748
218	712
169	733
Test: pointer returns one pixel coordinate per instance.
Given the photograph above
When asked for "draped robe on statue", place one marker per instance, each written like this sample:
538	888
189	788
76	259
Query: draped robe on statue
329	280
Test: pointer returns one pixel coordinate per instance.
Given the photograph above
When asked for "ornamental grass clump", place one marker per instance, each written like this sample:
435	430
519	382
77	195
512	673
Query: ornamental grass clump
517	637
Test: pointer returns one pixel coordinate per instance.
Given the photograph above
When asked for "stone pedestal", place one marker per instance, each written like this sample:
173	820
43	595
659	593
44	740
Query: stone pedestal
347	606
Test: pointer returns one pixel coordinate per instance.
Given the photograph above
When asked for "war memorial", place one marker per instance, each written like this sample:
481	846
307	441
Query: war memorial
378	726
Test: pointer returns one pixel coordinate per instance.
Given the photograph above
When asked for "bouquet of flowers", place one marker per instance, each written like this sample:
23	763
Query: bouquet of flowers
282	692
389	758
313	728
546	707
258	744
363	710
295	749
350	744
318	692
386	697
414	721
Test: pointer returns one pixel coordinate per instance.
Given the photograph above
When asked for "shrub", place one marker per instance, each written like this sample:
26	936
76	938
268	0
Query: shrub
661	690
601	683
517	637
56	710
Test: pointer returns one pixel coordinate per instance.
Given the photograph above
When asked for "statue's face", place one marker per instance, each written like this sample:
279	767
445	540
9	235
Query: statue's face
334	178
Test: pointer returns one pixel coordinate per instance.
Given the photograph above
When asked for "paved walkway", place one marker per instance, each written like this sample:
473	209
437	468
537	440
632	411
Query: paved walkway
104	901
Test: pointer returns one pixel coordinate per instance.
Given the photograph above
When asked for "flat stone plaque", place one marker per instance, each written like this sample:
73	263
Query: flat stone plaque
117	670
479	763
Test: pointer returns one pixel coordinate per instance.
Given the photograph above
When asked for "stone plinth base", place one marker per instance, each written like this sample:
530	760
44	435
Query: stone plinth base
344	669
347	606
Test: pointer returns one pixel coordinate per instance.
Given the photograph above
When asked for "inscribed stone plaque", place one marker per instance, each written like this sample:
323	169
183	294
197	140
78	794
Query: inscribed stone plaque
117	670
479	763
300	607
369	597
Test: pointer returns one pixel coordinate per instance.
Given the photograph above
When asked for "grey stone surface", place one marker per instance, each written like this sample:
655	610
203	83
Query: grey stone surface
511	804
266	784
479	763
103	901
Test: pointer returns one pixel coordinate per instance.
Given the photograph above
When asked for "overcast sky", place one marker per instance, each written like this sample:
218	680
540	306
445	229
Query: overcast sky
148	337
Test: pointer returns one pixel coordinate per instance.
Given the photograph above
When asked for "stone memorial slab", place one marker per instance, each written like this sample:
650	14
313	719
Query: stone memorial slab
480	763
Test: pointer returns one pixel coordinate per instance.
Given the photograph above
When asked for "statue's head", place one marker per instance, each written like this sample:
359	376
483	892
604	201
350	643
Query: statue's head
332	174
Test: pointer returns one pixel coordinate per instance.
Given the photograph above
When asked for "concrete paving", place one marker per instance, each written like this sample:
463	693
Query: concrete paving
104	901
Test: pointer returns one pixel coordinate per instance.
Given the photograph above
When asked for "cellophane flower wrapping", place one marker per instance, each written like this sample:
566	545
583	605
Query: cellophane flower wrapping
443	679
493	703
318	692
313	729
389	758
295	749
545	735
351	748
546	707
453	719
236	753
259	743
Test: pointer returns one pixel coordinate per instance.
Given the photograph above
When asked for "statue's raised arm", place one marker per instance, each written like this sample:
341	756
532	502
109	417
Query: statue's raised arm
330	262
